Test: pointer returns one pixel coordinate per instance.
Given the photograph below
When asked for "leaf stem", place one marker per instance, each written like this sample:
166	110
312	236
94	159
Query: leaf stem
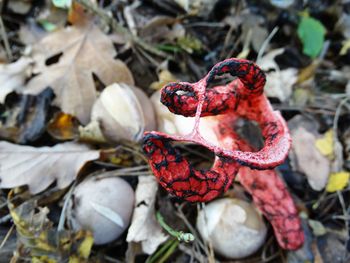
180	235
169	245
169	252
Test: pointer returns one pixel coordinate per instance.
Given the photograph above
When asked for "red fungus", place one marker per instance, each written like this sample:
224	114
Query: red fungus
241	98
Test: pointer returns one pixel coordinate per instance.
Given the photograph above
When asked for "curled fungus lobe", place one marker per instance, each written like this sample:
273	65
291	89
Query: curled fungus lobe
219	107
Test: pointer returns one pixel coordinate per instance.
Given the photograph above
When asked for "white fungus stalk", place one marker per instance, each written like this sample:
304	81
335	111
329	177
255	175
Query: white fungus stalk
169	122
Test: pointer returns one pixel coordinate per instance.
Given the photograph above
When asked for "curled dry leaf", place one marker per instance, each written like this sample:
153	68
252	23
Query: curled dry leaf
81	51
63	127
40	167
12	76
19	7
252	30
25	117
144	227
198	7
31	32
164	77
308	159
35	234
279	83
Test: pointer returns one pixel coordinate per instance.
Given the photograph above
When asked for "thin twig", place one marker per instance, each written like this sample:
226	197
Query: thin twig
227	40
7	236
181	215
341	217
132	150
5	39
208	243
150	59
60	226
265	43
117	173
142	170
325	111
192	253
337	115
342	203
111	259
337	146
325	48
246	50
205	24
107	17
5	218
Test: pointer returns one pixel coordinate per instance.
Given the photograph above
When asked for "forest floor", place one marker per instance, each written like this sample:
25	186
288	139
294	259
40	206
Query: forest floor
66	139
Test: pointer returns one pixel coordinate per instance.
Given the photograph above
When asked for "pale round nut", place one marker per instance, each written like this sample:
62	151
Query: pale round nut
103	206
233	226
124	112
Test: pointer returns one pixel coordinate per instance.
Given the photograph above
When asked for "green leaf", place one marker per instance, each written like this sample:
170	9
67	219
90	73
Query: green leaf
65	4
48	26
311	33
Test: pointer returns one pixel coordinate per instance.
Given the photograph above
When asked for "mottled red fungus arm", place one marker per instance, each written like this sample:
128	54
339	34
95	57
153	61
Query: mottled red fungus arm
272	198
267	189
179	177
241	98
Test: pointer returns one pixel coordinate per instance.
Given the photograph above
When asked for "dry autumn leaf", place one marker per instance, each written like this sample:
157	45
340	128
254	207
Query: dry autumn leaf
308	159
144	227
279	83
81	51
12	76
40	167
35	234
63	127
25	117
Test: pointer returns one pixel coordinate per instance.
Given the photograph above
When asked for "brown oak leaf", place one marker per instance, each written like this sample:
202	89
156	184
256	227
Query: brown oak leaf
40	167
81	51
